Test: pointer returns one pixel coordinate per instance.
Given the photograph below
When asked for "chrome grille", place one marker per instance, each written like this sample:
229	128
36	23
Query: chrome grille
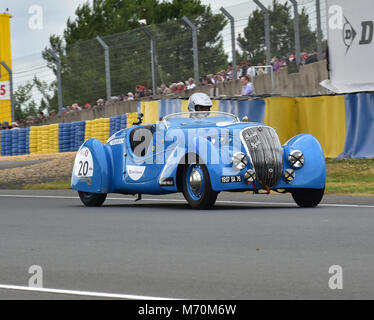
265	150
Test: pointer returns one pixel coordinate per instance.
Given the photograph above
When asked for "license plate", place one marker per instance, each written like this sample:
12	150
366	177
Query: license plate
231	179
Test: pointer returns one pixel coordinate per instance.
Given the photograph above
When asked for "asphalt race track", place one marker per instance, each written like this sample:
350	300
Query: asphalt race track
248	247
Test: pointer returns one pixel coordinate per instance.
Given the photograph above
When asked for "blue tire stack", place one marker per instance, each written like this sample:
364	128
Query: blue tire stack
22	141
65	137
117	123
6	143
78	131
15	142
27	144
123	122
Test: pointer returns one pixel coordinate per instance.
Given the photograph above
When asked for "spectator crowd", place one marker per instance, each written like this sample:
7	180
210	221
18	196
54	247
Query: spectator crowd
245	73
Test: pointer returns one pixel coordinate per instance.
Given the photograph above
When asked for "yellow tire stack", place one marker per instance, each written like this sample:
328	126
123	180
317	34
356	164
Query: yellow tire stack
43	135
52	132
44	139
34	140
98	129
132	118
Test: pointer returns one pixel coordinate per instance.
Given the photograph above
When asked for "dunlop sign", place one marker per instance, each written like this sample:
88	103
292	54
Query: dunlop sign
351	45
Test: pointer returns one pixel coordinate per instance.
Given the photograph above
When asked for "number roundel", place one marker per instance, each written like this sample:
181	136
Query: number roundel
83	166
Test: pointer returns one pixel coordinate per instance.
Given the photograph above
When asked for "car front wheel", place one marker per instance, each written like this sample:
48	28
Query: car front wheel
197	188
308	198
92	199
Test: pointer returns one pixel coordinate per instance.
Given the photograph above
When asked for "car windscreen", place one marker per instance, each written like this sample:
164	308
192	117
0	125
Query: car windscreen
199	118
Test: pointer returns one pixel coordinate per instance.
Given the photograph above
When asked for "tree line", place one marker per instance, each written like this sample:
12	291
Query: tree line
119	23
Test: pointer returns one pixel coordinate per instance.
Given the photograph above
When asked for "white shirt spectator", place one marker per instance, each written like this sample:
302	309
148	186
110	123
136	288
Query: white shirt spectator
191	86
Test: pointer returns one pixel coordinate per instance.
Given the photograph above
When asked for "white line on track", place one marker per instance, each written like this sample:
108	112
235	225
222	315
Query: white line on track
83	293
181	200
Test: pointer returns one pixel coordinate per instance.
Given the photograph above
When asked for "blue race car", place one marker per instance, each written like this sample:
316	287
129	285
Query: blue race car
200	154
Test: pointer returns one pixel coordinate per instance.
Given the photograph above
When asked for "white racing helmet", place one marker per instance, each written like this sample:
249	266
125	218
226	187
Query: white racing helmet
199	99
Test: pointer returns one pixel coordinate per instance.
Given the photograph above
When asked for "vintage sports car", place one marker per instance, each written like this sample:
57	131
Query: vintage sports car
200	154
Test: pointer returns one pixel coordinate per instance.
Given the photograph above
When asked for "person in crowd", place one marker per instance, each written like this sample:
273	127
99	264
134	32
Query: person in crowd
140	91
276	63
205	81
180	87
230	72
75	107
217	79
130	96
41	115
238	72
251	71
173	87
283	64
14	126
191	84
167	89
244	68
247	86
260	70
312	57
100	103
5	125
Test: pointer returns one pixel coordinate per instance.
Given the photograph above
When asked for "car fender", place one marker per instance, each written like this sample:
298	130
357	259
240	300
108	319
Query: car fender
96	175
313	173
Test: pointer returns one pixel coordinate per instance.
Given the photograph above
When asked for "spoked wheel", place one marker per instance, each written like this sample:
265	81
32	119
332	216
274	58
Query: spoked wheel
197	188
92	199
308	198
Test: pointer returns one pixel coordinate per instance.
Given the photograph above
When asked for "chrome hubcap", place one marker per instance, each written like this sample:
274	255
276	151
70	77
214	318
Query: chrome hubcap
195	181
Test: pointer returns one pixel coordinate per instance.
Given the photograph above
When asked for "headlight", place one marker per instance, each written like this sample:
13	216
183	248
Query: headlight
250	176
239	161
296	159
289	175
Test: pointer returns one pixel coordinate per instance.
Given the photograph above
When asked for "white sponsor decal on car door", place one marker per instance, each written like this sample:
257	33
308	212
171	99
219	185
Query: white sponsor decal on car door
83	166
135	172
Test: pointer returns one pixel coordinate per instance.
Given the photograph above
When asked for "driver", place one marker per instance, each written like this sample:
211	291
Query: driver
199	102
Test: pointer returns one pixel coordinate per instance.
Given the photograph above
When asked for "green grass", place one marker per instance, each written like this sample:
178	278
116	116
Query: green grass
54	185
350	176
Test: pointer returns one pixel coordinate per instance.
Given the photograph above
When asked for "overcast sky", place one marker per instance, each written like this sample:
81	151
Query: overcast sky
26	41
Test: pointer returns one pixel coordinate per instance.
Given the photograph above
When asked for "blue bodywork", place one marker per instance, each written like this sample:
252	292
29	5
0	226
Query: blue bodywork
116	168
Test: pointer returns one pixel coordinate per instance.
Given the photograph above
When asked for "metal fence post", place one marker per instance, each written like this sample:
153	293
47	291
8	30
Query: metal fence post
297	31
267	30
233	40
153	58
59	79
107	68
319	30
10	72
195	48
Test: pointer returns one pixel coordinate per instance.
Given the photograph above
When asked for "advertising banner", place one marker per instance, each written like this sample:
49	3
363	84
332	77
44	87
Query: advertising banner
351	45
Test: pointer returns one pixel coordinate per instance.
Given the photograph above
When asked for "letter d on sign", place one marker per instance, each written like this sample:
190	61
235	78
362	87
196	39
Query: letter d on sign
336	280
36	280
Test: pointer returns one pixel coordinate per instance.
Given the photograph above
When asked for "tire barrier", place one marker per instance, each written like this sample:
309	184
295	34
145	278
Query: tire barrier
98	129
117	123
344	125
15	142
44	139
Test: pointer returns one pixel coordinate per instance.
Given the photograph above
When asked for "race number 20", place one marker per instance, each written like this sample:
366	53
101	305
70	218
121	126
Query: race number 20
83	166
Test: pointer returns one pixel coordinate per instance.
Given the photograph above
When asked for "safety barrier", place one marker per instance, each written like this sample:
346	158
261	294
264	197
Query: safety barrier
344	125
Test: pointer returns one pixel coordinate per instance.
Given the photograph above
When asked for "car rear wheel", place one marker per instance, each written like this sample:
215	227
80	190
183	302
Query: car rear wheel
308	198
92	199
197	189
